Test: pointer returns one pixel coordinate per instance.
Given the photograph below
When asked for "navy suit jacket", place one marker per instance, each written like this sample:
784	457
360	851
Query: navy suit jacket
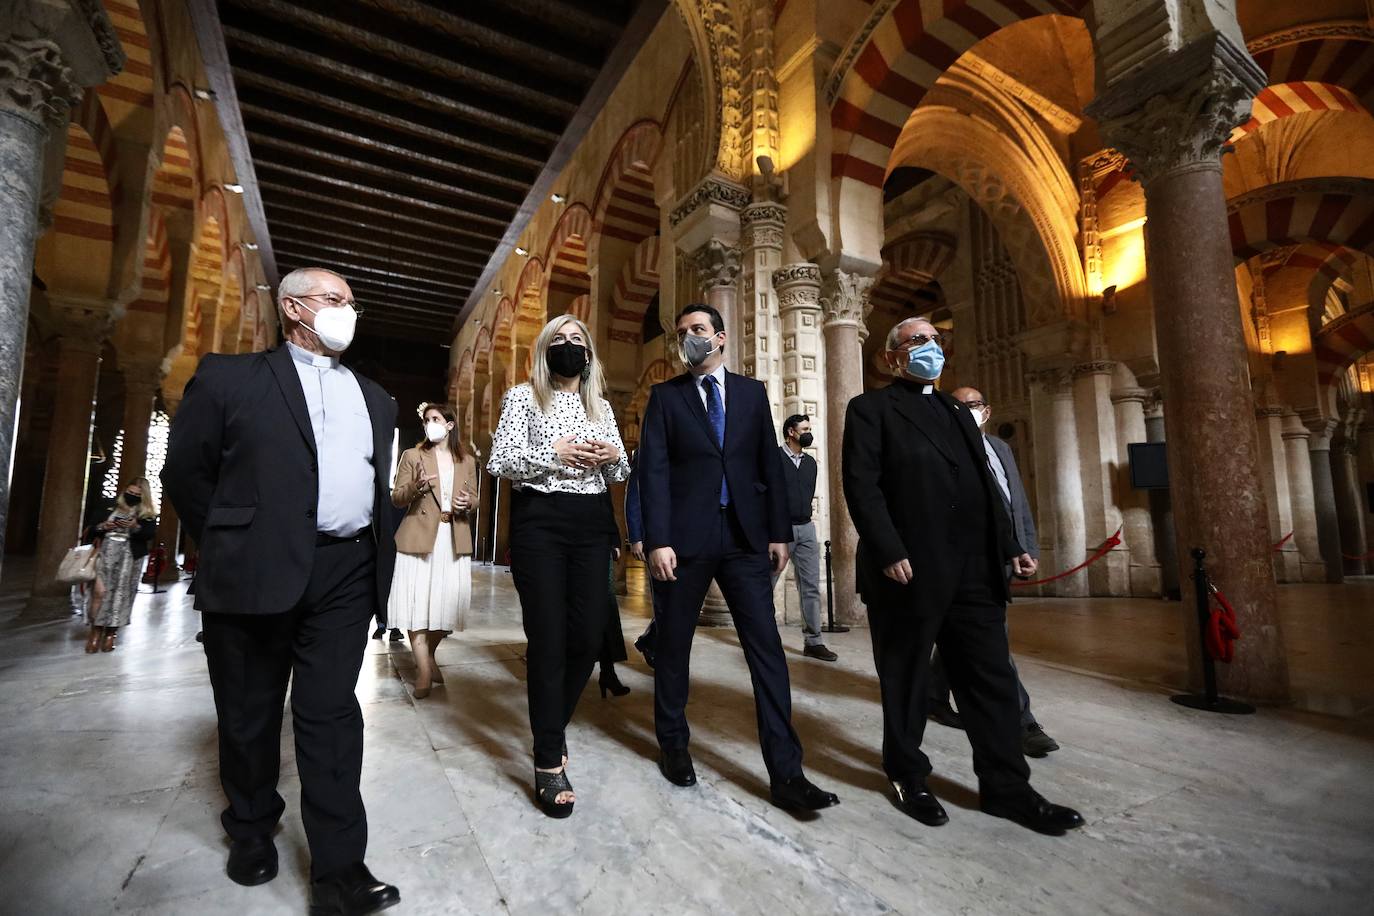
634	515
680	467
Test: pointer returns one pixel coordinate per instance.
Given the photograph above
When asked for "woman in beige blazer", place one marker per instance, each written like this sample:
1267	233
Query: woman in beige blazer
436	482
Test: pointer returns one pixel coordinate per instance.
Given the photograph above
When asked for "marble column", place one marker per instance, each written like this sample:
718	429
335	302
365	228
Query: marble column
1097	456
1299	462
36	92
141	383
1137	528
798	291
83	326
1274	468
1324	494
1059	481
1161	506
844	299
1172	118
1348	502
168	522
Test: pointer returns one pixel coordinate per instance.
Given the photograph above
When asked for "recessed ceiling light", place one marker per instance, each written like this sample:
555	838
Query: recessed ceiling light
236	188
558	198
522	252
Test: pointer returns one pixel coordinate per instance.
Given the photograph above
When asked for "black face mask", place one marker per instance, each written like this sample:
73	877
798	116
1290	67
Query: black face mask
132	499
567	359
805	440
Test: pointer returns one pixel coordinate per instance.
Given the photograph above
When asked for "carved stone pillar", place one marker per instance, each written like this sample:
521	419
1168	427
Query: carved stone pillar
1274	472
1058	482
1097	456
706	228
36	92
758	352
1172	118
1324	494
1137	527
141	383
844	298
83	327
1349	508
1298	458
717	266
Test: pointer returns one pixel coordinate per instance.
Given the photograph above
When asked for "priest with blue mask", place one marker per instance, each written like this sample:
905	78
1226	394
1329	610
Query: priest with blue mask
934	535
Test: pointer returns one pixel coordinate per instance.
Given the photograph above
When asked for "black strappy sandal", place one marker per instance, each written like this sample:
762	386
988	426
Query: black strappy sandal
547	788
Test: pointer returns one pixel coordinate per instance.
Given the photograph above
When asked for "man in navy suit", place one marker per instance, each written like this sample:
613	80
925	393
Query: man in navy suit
715	507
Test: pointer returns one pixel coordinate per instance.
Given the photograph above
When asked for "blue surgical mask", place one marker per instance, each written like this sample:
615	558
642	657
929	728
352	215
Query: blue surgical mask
925	361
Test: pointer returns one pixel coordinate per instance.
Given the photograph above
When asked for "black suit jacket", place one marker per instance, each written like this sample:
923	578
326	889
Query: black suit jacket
680	465
242	473
900	485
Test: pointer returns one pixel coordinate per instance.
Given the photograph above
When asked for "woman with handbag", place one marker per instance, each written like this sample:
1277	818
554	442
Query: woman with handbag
124	538
431	590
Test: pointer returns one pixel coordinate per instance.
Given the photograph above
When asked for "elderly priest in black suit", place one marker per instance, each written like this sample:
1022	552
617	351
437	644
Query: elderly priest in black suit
933	536
279	464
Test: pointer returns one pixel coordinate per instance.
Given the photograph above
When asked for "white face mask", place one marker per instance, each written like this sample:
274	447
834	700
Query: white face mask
333	326
981	417
434	432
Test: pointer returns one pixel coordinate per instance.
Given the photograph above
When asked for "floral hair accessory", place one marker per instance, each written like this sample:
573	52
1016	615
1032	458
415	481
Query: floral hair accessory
420	411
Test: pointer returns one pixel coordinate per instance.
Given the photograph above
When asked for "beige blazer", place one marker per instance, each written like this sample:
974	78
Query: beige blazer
423	515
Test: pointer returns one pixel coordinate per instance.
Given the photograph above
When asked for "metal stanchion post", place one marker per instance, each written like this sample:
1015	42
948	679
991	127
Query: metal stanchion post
830	625
1209	700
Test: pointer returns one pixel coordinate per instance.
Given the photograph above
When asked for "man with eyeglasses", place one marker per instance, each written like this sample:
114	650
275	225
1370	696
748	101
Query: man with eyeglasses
933	537
1002	463
279	465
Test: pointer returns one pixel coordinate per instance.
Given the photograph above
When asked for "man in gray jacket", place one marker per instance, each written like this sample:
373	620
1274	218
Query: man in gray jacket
1034	741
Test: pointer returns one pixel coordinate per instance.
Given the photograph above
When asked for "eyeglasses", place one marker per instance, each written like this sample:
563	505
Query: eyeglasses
975	405
334	300
920	340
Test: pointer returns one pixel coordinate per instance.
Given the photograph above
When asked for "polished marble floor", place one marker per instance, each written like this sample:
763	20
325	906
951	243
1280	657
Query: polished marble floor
109	800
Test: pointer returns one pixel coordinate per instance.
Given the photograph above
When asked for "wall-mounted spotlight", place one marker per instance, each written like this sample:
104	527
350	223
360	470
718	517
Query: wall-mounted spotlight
1280	357
263	287
251	246
557	198
496	292
522	252
205	95
1109	301
236	188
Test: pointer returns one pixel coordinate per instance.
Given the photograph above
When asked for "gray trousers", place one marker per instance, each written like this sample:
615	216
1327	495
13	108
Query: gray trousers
806	567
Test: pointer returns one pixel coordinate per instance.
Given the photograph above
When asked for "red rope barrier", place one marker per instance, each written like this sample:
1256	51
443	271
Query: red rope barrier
1102	551
1222	631
1366	556
1282	541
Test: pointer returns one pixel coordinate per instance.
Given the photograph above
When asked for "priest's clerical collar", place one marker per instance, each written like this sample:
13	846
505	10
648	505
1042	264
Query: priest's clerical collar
302	355
922	387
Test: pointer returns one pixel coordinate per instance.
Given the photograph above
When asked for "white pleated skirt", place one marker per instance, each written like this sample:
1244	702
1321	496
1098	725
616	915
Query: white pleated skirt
433	592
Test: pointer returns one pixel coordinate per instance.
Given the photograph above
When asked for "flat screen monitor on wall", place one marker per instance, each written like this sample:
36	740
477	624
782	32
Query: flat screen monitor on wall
1149	467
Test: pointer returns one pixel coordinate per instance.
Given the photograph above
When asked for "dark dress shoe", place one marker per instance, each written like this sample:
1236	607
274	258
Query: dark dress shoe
820	652
800	794
379	633
1031	810
944	713
351	891
1035	743
644	645
676	767
396	635
915	800
252	861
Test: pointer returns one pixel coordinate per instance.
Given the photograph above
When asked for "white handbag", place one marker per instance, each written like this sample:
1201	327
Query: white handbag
78	565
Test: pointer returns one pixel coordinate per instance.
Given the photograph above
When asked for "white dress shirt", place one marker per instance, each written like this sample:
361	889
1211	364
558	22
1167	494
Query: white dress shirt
719	376
343	443
795	456
522	447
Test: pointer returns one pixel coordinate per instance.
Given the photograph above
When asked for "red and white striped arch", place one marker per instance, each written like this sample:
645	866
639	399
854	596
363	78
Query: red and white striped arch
156	283
1284	100
566	255
1345	60
910	264
625	205
908	50
635	288
529	308
481	349
1342	341
657	371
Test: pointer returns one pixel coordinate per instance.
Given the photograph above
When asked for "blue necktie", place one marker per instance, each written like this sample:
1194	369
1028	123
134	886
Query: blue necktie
715	412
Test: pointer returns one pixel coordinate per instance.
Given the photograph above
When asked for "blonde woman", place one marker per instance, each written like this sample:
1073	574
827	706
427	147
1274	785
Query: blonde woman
557	442
431	590
124	538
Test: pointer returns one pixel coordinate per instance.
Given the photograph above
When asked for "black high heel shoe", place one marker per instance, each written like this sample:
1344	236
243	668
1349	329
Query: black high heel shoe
608	681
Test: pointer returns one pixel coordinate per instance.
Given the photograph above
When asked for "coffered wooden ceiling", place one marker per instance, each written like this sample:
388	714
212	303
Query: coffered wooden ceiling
405	142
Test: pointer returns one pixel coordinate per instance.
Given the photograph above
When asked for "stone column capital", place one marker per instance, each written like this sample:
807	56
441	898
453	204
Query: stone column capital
1320	427
1052	380
1268	413
83	325
1130	395
35	82
844	296
710	211
140	374
798	286
1094	367
1176	114
762	225
717	264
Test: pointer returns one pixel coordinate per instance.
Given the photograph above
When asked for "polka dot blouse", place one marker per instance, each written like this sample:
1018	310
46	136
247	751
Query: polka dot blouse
522	448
